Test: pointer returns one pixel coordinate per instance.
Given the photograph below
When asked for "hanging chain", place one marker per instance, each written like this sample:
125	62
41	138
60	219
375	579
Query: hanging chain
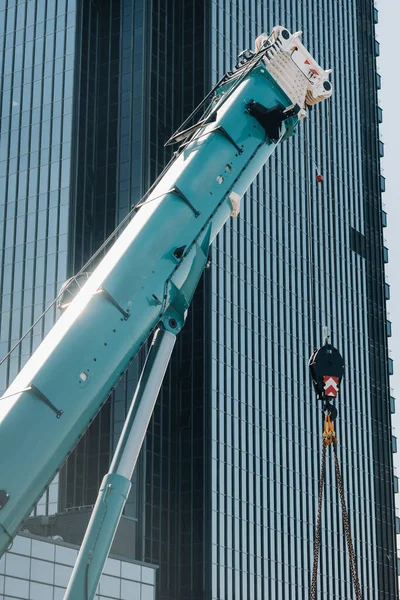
328	439
346	525
317	541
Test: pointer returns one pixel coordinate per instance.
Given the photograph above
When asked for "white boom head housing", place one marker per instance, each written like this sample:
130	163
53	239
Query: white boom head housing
294	69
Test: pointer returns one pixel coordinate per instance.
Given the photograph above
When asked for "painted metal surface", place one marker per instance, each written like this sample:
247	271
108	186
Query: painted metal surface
114	491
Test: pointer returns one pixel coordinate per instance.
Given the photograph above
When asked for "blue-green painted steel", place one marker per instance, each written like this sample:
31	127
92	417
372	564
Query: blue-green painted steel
102	526
90	346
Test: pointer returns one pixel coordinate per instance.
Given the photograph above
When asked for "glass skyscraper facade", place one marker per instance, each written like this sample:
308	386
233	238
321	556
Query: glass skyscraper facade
225	493
37	70
37	56
266	318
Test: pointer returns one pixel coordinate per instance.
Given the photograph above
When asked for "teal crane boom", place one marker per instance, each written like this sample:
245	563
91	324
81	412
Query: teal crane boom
147	279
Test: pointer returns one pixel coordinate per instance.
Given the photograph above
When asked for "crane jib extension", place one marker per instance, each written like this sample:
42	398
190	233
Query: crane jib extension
148	277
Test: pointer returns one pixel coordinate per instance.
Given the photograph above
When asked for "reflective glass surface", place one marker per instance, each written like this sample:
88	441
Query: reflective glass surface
300	256
37	53
39	569
36	86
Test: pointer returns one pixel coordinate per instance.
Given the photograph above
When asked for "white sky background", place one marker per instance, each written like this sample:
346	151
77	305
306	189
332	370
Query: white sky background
388	35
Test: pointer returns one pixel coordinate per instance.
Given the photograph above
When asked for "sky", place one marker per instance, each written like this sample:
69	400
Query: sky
387	34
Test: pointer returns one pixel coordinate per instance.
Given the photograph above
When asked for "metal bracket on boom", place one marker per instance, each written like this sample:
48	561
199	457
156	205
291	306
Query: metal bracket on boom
45	399
271	119
124	313
182	135
223	132
181	195
226	135
40	395
174	190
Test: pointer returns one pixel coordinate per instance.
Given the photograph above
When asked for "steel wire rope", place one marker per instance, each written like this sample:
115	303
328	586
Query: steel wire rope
313	328
346	523
313	301
310	241
345	517
331	196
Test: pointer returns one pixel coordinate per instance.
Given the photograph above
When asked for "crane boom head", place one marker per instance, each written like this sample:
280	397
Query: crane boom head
294	69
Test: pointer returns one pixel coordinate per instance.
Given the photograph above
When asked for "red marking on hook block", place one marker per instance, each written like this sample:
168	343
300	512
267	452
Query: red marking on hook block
331	385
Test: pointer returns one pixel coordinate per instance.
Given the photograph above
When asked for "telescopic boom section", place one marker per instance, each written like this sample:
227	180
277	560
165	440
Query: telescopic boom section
149	275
